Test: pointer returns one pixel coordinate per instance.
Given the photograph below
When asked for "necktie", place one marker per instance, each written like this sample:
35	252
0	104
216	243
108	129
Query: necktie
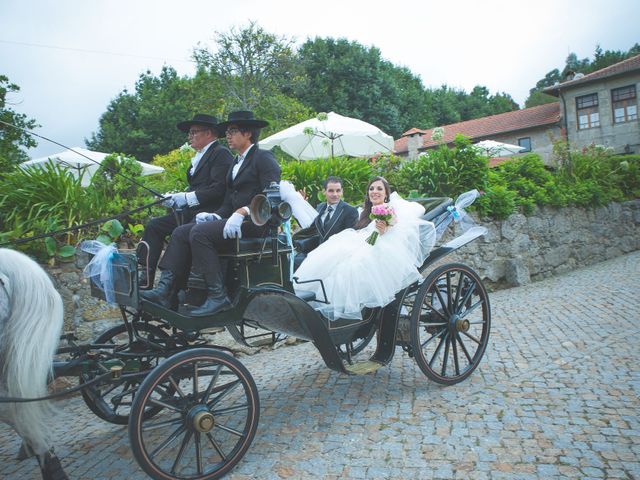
236	166
328	217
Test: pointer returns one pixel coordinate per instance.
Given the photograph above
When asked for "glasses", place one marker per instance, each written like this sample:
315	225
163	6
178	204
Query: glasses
193	133
231	131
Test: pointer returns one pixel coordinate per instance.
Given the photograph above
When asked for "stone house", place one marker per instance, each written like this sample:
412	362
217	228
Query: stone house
533	128
598	108
602	107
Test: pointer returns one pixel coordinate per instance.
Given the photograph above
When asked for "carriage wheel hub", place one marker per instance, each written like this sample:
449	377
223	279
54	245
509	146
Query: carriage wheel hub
462	325
201	419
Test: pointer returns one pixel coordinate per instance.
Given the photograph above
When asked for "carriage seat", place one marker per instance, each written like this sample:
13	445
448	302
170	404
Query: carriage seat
256	245
433	214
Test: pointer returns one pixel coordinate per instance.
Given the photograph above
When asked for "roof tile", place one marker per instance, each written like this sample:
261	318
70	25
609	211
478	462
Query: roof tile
482	128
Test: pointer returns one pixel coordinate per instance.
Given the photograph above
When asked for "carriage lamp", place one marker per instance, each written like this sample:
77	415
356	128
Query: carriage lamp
269	208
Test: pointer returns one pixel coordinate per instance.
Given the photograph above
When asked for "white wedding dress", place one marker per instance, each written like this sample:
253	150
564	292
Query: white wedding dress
356	274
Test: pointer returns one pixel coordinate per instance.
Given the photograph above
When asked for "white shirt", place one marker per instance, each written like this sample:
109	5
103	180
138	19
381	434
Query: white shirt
199	154
239	163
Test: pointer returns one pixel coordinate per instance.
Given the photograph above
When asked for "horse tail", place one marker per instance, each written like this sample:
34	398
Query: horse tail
29	337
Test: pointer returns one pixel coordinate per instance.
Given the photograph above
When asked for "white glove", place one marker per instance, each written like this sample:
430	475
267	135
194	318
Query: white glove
179	200
168	200
232	228
205	217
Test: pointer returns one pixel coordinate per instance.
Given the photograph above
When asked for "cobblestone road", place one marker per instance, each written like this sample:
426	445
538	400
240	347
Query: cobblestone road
555	396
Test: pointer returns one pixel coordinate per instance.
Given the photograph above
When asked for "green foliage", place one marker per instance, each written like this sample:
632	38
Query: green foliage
175	164
113	182
143	123
57	250
251	65
497	202
110	232
444	172
46	199
311	174
335	72
11	139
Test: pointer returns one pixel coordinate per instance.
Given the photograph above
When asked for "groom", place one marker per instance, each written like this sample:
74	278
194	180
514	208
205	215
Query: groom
334	215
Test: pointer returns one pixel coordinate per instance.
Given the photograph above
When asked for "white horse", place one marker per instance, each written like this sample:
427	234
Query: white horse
31	319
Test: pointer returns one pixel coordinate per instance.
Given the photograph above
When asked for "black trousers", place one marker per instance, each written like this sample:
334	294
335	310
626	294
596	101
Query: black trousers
155	233
198	244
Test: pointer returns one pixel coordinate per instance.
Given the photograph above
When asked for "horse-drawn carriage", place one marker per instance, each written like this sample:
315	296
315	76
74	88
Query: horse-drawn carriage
192	408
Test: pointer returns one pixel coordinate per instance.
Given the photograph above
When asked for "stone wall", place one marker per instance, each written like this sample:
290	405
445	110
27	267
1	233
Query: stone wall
550	241
515	251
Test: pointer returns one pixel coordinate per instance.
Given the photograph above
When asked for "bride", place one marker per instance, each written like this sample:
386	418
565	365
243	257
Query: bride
357	274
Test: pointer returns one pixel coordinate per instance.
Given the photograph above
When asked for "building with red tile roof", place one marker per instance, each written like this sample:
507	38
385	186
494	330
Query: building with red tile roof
598	108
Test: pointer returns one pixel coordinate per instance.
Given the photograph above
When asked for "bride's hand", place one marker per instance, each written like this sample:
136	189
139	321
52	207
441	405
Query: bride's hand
381	226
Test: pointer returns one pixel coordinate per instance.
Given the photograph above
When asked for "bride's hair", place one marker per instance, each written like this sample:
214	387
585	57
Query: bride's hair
364	219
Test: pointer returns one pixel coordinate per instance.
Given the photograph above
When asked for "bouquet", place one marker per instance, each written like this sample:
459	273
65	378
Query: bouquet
379	212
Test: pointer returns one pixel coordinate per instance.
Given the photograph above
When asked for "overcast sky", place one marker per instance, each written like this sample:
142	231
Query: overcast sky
72	57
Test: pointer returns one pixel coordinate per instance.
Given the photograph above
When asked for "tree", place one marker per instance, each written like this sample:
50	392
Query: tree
256	70
251	64
11	139
143	123
354	80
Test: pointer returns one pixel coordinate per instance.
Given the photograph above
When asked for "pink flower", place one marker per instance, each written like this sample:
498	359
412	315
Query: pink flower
382	212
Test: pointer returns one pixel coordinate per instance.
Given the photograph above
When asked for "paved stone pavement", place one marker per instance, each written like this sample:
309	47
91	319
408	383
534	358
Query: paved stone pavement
555	396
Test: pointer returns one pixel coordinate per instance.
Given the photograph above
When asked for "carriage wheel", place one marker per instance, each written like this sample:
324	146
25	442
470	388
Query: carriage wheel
210	411
362	336
111	401
450	323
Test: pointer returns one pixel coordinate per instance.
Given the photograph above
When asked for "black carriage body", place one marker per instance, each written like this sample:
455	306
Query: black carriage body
137	373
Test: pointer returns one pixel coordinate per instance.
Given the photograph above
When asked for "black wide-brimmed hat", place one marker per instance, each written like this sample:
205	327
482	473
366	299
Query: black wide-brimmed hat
243	118
201	119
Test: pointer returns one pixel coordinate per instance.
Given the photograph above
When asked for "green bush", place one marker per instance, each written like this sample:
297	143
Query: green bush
311	174
497	202
45	199
175	164
445	171
119	182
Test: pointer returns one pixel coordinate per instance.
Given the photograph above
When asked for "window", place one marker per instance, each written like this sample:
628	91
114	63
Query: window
526	143
625	104
587	111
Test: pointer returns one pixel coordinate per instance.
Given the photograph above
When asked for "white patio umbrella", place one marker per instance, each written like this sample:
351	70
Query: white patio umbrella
329	135
78	162
491	148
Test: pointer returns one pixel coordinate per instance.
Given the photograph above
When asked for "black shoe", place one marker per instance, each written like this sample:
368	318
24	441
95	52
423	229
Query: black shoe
217	300
145	282
166	293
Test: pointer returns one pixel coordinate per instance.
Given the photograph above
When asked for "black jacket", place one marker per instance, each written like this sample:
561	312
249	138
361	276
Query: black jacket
345	216
257	171
209	178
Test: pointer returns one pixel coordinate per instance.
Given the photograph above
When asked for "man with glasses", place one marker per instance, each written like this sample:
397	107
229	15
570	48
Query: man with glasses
198	245
207	186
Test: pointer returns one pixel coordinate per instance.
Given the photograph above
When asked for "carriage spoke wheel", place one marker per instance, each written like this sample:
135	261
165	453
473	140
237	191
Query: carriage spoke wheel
450	323
210	412
362	336
112	400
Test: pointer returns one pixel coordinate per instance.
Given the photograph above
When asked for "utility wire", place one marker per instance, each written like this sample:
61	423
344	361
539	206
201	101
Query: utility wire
101	52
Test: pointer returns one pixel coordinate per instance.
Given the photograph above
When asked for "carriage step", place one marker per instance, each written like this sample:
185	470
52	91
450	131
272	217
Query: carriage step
362	368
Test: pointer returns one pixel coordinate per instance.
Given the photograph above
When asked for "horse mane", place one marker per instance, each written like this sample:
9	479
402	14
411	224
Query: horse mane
31	320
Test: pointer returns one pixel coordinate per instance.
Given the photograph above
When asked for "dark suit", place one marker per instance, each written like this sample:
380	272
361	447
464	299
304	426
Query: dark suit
208	181
202	241
344	216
